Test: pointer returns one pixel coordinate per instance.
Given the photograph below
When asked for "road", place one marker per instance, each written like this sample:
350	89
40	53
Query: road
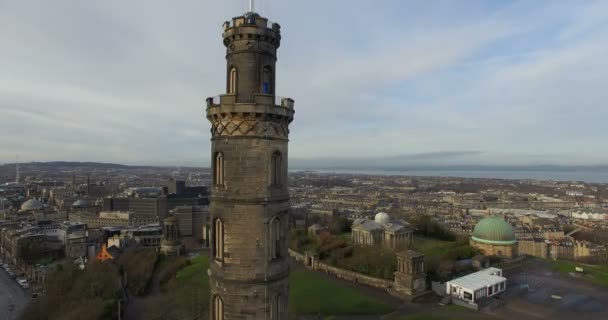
11	293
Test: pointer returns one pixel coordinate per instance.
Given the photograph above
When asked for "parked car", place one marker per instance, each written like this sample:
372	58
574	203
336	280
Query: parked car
25	285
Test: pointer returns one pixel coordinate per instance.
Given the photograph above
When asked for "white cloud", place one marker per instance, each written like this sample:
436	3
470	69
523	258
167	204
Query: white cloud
126	81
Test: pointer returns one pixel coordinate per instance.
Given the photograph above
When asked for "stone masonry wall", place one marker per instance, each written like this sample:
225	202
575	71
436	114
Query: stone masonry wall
344	274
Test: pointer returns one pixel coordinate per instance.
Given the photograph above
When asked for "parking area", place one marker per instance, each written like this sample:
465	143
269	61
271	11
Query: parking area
550	295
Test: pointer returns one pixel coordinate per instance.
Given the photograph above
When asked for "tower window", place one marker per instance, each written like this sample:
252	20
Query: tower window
275	238
275	313
276	169
232	80
218	239
218	308
218	167
267	80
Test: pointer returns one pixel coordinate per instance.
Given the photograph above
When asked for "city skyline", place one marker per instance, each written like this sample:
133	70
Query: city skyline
443	83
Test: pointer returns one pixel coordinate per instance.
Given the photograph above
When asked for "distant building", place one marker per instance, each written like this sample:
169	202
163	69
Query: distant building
574	193
382	231
112	219
124	237
156	206
194	221
74	236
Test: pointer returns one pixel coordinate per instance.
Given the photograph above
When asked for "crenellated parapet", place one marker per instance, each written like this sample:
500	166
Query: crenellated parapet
251	26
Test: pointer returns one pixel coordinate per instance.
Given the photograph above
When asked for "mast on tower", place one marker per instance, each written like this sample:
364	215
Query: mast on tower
17	178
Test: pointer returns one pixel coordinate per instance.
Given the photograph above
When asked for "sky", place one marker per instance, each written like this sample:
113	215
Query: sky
424	82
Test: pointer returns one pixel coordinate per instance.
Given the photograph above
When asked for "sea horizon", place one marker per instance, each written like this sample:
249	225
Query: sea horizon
563	174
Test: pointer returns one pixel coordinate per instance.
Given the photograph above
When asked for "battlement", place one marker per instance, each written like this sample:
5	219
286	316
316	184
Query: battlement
252	19
252	27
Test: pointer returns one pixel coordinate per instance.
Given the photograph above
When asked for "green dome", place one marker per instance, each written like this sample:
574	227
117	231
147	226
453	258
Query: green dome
494	230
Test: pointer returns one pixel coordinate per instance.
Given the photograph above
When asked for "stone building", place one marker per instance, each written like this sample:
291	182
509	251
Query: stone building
495	237
193	221
249	198
382	231
536	247
170	245
112	219
410	278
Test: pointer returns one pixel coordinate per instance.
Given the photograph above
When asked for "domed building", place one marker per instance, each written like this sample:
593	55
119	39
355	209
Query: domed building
382	231
32	205
495	237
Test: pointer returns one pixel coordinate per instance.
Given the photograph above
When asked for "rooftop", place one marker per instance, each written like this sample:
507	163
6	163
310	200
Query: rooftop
480	279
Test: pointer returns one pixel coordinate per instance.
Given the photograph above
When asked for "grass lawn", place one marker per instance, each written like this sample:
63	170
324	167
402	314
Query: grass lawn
421	317
189	291
310	294
449	312
346	236
593	273
430	246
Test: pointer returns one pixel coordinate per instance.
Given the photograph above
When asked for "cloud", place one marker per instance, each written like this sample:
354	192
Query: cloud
119	81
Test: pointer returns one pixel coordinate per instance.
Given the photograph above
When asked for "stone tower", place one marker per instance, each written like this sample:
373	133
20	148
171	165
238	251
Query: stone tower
170	245
249	198
410	278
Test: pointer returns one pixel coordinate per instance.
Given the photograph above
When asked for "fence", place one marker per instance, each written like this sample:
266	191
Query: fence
438	288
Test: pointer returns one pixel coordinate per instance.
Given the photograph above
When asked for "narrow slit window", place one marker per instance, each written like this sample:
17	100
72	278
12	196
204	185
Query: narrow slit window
218	246
233	79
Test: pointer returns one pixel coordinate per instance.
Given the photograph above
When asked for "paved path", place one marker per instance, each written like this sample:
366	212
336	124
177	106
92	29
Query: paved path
11	293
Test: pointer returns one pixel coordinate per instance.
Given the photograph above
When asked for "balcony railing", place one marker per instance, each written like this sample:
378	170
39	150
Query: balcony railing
258	98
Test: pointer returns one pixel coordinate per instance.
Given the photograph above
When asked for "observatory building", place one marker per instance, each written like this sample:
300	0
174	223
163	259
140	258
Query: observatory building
249	196
382	232
495	237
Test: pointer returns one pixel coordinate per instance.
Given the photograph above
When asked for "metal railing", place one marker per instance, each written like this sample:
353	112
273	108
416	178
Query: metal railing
260	98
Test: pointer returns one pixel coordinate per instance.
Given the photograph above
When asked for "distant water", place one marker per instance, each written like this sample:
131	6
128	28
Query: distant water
586	176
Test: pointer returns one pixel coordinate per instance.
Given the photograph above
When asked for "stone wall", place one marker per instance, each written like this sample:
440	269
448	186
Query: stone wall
342	273
297	256
533	247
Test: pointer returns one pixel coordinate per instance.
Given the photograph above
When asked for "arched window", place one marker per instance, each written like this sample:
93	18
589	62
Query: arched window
218	308
275	308
276	169
218	239
232	80
267	80
275	238
218	168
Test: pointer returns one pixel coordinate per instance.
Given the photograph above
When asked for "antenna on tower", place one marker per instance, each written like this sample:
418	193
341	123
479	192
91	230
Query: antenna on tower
251	5
17	169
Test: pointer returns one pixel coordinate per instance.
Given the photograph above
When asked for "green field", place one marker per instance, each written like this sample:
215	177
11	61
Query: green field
592	273
310	294
449	312
430	246
191	287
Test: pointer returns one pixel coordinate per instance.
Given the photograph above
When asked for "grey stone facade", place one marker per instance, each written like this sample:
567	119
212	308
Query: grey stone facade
249	197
